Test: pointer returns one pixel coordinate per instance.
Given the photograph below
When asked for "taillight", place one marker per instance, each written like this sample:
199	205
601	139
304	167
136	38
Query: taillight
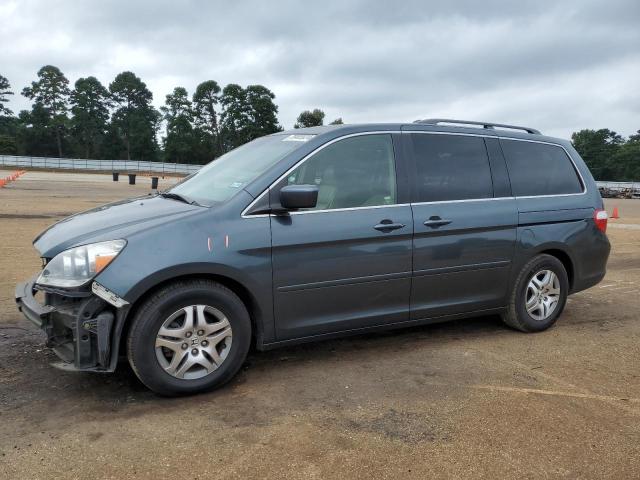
601	217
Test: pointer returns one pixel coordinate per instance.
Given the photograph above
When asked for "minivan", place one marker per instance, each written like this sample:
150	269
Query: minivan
316	233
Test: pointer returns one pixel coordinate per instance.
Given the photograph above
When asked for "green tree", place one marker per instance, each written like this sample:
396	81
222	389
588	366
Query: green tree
234	118
5	90
308	118
247	114
8	145
597	148
35	135
113	147
177	112
626	160
206	100
134	117
262	112
337	121
9	126
90	102
51	92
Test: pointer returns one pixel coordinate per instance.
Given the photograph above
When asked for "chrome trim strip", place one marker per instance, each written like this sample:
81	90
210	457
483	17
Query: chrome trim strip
582	182
491	199
350	208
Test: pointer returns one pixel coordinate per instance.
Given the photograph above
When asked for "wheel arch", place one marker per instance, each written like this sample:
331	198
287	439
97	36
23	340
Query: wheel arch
562	254
149	286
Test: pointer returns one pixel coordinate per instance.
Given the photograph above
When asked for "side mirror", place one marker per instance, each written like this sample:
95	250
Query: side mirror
293	197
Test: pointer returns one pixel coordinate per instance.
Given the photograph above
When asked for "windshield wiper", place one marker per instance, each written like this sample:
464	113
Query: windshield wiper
177	196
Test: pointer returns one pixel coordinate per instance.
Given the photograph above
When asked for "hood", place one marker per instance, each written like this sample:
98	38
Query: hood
110	222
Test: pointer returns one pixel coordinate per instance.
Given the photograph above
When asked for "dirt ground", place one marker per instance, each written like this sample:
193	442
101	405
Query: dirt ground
466	399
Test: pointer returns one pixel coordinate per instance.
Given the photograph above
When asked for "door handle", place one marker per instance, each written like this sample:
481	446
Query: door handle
387	226
436	222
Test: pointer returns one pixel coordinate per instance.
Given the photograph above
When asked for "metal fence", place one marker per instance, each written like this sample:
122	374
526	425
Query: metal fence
619	185
123	166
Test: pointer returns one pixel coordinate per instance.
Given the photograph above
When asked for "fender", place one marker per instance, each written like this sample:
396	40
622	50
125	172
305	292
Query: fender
183	270
233	278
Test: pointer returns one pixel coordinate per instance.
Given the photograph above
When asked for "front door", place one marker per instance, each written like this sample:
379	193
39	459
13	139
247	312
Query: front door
346	264
464	222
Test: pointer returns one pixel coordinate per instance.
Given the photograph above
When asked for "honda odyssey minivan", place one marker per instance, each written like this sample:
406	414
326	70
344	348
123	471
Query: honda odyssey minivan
315	233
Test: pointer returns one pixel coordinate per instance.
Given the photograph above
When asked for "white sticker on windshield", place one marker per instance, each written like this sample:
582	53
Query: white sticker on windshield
236	185
297	138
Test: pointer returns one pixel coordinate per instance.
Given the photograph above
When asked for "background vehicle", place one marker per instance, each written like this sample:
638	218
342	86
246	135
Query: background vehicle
316	233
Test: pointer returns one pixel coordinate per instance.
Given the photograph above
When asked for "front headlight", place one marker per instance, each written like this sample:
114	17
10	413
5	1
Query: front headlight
76	266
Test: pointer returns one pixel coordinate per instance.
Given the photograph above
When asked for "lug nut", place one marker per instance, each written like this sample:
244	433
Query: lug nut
204	343
188	334
194	351
185	346
200	333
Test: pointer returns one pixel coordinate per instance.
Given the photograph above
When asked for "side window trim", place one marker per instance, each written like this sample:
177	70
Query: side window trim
407	146
413	161
401	163
499	171
583	184
389	162
267	192
409	166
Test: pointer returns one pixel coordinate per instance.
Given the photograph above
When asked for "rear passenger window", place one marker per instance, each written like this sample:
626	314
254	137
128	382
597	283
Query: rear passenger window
450	167
539	169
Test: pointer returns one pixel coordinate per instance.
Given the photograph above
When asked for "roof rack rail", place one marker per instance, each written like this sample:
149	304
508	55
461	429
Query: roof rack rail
488	125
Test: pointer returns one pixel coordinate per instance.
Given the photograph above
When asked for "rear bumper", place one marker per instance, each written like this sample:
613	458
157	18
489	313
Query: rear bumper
587	282
79	327
592	264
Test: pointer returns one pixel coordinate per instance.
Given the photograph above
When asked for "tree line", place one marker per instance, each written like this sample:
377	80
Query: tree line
118	121
608	155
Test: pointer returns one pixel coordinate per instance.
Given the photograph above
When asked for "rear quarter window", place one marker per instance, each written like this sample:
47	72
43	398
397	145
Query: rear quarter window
539	169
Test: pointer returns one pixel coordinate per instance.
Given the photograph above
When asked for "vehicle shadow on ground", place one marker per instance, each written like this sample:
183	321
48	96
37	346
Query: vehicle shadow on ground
27	378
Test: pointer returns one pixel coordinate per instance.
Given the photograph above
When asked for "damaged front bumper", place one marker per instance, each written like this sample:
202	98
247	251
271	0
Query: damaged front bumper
82	327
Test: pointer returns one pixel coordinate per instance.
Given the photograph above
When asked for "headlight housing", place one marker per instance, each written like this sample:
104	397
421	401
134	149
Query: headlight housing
76	266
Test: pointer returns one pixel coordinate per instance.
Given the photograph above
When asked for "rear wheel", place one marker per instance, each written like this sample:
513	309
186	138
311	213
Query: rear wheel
189	337
539	295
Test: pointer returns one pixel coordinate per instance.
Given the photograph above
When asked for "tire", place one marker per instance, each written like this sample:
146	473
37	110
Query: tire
523	295
220	333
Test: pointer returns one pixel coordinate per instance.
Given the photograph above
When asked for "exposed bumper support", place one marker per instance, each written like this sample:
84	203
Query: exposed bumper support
82	330
29	306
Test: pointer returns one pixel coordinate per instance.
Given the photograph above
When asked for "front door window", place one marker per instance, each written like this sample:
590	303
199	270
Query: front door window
350	173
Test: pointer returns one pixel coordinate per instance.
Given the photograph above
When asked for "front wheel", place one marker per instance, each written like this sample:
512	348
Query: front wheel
539	295
189	337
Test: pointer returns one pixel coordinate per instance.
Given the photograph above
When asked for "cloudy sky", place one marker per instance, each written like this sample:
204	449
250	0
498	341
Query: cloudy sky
559	66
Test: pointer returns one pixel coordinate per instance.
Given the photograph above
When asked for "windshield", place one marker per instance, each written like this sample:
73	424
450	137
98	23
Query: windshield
220	179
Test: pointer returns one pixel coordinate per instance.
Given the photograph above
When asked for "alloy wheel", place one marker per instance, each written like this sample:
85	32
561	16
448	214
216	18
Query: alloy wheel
193	342
542	295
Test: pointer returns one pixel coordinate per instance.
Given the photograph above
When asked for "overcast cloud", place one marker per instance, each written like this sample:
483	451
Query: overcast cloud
558	66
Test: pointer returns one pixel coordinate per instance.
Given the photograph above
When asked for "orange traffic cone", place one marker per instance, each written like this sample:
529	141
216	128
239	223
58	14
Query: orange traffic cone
615	213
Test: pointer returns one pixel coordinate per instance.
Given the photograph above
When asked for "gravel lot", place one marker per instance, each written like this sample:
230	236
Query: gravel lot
466	399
